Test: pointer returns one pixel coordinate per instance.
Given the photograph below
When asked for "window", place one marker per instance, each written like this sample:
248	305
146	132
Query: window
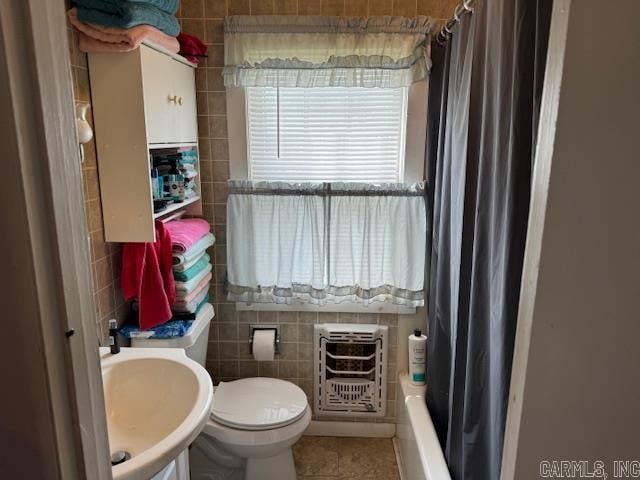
326	125
326	134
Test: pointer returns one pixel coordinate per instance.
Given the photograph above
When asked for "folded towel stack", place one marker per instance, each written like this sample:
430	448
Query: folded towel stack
192	268
122	25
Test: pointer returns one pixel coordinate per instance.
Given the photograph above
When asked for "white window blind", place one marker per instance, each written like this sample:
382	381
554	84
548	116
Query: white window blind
326	134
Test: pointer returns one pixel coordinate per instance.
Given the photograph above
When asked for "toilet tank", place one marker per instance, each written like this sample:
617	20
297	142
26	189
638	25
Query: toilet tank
194	342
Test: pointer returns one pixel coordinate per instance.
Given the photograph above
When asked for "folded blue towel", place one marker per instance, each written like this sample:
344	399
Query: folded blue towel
129	15
169	6
170	329
189	157
192	271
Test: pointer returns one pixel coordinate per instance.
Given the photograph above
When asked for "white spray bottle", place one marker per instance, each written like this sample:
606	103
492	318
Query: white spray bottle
417	357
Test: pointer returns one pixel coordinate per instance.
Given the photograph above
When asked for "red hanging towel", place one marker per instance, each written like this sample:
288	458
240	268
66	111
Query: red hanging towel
148	277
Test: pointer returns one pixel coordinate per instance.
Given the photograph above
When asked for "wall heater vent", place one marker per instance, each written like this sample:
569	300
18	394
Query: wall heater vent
350	365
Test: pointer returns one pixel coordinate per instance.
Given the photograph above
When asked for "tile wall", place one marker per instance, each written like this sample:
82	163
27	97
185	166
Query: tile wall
105	257
228	353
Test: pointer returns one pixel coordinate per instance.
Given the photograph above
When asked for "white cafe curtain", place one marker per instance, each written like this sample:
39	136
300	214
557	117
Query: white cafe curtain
325	243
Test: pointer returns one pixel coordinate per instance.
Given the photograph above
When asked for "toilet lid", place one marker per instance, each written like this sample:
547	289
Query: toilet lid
258	403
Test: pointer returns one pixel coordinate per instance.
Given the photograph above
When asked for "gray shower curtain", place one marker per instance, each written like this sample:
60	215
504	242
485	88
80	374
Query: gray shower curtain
484	98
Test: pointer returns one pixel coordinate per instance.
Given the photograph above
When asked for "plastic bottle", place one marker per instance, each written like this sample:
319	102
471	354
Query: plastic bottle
155	184
113	336
417	357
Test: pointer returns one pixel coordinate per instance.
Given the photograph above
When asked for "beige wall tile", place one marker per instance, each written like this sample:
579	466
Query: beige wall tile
238	7
220	171
430	8
215	82
218	128
192	8
285	7
447	7
308	7
356	8
213	29
332	7
215	8
216	56
405	8
217	103
380	7
261	7
193	26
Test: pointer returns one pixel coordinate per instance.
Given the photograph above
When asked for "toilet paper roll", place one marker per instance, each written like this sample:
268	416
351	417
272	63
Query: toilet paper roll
264	344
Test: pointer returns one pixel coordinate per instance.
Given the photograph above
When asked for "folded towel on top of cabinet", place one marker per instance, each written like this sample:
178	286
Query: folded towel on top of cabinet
88	44
129	15
96	38
186	233
168	6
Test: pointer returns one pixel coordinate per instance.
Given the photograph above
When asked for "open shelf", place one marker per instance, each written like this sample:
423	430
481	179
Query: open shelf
175	206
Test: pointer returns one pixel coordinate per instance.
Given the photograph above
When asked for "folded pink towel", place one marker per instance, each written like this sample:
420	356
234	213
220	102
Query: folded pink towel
96	38
185	233
184	299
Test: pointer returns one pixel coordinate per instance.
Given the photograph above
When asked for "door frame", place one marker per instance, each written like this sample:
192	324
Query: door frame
46	217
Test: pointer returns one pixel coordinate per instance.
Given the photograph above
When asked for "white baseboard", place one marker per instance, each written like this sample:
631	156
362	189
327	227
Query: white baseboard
319	428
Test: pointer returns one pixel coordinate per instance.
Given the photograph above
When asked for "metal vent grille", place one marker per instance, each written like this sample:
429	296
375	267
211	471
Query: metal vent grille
351	369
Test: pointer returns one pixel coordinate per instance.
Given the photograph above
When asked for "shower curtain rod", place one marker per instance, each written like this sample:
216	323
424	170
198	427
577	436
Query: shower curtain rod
461	9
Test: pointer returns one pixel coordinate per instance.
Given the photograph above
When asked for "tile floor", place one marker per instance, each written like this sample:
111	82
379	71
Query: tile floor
337	458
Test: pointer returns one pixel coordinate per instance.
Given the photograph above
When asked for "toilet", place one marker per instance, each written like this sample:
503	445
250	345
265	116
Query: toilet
253	424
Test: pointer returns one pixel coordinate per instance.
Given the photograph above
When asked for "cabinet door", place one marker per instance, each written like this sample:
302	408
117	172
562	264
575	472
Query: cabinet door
185	119
158	95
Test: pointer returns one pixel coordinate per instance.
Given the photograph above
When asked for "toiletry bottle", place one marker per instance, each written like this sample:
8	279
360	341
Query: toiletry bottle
155	185
417	357
113	336
173	170
176	187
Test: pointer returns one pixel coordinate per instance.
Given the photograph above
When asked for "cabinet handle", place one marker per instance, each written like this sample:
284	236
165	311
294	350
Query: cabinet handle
172	99
180	101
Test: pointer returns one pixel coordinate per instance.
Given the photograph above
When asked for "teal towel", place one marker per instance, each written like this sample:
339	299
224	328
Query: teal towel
114	6
192	271
130	15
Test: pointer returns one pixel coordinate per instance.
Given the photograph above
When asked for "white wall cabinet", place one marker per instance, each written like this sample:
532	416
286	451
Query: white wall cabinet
169	98
142	100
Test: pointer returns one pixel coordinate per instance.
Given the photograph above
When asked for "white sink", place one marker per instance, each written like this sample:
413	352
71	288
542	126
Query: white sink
157	402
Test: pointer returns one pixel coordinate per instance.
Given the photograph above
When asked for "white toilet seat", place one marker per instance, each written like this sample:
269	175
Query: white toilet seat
257	438
258	403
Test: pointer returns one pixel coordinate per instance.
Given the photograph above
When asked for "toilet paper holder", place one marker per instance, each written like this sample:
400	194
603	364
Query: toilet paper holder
276	328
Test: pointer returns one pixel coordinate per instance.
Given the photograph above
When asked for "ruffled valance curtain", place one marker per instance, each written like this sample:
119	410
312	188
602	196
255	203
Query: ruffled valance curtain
308	51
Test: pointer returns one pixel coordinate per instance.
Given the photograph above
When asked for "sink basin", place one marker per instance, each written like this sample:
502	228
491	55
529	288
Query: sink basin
157	402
